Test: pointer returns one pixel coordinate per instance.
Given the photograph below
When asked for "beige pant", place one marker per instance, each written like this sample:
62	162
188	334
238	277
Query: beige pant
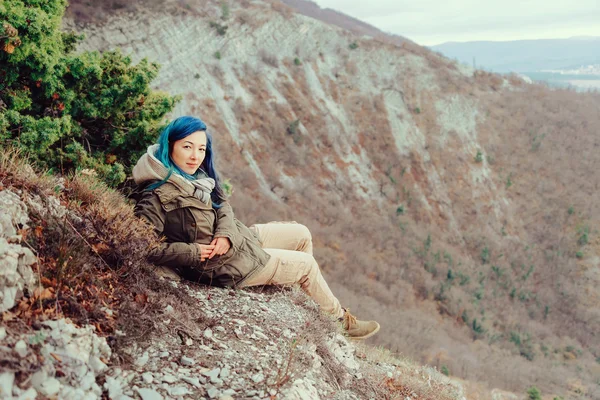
290	247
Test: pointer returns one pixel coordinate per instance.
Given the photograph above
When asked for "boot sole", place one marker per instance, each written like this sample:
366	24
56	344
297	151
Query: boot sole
368	335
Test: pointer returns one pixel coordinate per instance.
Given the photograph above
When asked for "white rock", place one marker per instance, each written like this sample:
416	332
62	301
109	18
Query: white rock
169	309
149	394
2	333
114	387
187	361
147	377
21	348
257	378
220	329
261	335
208	333
169	378
97	365
7	380
164	354
142	360
213	392
178	391
213	373
192	381
29	394
49	387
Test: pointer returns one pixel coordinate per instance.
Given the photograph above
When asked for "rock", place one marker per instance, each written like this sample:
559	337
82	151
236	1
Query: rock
142	360
187	361
7	380
114	387
29	394
213	392
257	378
49	387
178	391
169	378
192	381
212	374
2	333
225	397
97	365
220	329
164	354
224	373
147	377
208	333
169	309
149	394
261	335
21	348
239	322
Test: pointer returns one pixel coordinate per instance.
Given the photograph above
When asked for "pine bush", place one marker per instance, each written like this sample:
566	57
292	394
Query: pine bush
70	110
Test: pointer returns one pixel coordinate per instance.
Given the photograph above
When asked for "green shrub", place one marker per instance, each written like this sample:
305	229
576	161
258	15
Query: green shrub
533	393
571	210
353	46
297	61
292	128
485	255
444	370
479	157
224	10
583	236
579	254
400	210
217	55
417	110
221	29
72	111
477	328
509	181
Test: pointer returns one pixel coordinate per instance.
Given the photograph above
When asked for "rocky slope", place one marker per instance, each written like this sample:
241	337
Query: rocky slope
453	205
250	344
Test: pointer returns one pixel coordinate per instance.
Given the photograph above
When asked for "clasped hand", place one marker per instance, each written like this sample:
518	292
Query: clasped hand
218	247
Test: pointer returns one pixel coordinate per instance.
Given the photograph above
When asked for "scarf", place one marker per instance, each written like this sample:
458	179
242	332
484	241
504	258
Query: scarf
149	168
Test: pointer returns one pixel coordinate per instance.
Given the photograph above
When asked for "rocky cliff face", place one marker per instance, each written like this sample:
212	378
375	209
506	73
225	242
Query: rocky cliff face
446	202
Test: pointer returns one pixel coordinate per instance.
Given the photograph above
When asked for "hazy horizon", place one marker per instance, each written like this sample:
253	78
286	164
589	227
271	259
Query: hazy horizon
433	22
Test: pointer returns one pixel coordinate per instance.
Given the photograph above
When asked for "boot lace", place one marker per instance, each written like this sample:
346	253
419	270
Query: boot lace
349	319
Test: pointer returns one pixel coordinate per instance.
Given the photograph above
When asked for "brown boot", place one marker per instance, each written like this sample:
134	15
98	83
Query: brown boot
357	329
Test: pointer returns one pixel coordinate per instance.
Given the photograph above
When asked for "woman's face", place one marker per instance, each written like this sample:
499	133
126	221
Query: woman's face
188	153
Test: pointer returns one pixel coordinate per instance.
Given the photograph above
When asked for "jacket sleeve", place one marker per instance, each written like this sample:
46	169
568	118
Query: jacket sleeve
176	254
226	224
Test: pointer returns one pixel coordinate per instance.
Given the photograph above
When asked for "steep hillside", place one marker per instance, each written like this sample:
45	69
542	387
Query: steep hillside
453	205
85	317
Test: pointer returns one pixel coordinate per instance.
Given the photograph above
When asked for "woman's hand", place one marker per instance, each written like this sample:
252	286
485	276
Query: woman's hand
221	246
206	250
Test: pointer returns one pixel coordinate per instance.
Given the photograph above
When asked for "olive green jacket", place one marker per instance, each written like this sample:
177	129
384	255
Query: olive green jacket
184	221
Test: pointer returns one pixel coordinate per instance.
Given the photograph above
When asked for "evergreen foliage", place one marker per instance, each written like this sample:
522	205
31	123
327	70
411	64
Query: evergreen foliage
70	111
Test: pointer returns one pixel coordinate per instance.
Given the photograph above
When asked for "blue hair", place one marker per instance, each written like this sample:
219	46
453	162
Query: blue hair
178	129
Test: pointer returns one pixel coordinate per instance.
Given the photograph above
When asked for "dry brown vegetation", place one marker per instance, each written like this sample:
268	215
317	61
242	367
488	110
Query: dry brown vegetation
507	295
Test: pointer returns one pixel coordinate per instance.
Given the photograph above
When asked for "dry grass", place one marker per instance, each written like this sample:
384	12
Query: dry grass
91	257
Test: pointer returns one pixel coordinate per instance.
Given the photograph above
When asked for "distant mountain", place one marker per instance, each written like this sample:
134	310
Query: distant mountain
525	55
333	17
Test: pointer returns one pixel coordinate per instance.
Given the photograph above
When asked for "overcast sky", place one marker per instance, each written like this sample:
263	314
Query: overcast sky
431	22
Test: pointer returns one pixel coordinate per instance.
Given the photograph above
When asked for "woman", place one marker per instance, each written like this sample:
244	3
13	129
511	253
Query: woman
180	193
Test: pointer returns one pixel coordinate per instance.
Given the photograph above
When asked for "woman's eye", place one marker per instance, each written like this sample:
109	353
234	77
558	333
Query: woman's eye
202	150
